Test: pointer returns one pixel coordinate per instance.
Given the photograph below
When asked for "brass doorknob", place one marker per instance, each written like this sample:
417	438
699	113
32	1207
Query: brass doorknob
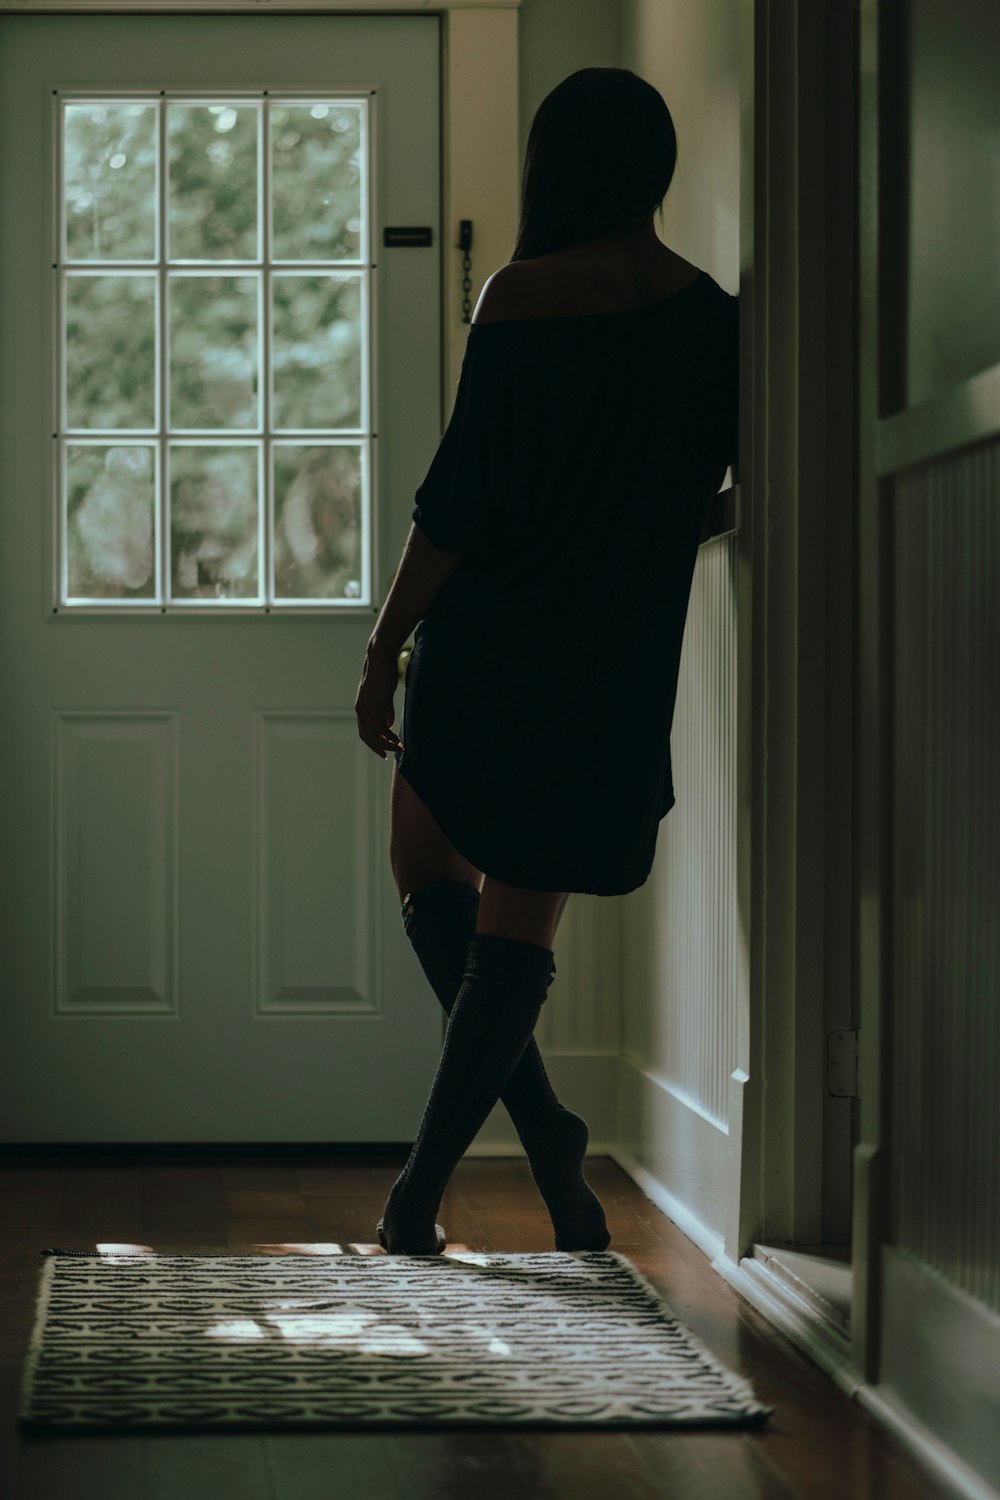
405	653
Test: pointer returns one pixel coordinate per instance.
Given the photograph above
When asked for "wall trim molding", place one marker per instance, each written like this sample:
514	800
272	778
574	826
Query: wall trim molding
792	1315
689	1185
967	413
708	1241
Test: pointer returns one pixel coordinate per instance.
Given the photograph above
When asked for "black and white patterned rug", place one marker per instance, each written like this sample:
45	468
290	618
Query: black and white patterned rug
135	1341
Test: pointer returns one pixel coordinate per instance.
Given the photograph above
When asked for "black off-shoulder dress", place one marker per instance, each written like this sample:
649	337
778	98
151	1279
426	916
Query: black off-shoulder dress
572	478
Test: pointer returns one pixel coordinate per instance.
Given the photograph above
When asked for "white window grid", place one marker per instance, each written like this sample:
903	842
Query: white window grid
264	438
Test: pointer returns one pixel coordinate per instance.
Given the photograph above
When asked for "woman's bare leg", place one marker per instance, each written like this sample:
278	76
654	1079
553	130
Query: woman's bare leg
554	1139
514	911
419	852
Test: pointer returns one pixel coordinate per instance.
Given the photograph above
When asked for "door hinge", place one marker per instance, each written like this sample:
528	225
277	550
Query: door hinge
842	1071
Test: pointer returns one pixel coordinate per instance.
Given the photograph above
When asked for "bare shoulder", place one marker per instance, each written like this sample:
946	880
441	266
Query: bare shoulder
511	292
578	281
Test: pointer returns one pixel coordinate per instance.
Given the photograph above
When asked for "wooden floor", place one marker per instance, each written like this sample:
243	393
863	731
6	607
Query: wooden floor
817	1444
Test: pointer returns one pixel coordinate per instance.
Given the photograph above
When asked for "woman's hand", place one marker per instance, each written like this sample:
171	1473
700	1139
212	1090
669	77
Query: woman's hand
373	704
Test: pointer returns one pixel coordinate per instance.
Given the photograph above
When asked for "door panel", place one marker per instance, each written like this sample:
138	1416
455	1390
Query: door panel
201	931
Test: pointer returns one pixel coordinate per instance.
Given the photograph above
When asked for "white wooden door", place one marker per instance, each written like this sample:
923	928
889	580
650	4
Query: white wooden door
200	933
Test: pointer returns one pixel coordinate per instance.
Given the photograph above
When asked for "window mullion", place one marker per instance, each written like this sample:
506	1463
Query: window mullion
266	468
163	371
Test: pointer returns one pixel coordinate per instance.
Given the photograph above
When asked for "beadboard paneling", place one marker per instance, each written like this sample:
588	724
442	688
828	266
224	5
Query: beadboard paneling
681	996
946	872
582	1011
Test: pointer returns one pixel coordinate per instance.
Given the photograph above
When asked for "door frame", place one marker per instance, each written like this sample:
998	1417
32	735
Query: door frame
804	627
795	1169
871	1156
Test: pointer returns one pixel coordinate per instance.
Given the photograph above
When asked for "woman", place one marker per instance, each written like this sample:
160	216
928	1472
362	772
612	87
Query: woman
547	572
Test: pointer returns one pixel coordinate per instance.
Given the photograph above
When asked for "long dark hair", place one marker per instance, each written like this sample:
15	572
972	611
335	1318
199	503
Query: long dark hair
601	154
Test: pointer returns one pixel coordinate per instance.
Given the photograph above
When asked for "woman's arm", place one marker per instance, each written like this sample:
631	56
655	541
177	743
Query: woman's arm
423	570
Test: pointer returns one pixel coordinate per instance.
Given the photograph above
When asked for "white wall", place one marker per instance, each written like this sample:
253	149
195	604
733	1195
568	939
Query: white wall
556	38
689	50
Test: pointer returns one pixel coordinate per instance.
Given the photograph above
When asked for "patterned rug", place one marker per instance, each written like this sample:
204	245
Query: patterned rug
134	1341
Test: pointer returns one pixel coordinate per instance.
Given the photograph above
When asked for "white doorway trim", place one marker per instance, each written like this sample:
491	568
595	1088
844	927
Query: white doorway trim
792	1165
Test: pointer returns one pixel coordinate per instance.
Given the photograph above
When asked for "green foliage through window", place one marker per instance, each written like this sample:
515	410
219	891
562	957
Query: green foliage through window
214	295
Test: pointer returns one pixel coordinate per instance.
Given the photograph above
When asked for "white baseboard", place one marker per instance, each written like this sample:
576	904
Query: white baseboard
946	1466
708	1242
793	1316
942	1368
679	1155
809	1331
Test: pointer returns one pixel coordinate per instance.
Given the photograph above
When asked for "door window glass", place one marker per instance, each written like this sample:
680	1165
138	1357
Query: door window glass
212	360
